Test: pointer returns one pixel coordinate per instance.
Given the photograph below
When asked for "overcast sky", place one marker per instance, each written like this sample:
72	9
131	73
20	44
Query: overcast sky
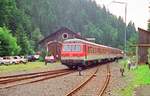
137	10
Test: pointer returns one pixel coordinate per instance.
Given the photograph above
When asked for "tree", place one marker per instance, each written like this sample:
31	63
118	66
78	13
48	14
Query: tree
132	38
29	20
24	42
36	37
8	43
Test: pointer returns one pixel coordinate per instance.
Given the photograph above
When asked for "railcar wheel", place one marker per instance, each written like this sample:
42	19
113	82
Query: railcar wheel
74	67
70	67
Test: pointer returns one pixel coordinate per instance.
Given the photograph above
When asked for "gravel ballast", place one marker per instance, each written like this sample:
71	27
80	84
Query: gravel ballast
91	88
117	82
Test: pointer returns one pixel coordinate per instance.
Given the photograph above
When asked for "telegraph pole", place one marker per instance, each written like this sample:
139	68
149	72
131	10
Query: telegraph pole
125	18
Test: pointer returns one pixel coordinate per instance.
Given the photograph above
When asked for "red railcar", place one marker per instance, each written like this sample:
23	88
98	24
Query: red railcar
77	52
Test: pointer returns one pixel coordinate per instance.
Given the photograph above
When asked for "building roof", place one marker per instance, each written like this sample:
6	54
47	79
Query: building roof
62	29
142	30
144	36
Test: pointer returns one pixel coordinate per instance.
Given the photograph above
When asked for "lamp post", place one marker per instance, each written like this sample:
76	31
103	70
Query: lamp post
125	35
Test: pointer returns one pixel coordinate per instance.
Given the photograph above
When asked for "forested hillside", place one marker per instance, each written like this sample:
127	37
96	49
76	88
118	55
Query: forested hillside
31	20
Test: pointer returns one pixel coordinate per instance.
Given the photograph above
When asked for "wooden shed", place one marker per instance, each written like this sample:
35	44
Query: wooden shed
143	45
53	42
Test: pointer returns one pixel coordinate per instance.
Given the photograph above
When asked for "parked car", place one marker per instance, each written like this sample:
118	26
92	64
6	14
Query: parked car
1	60
14	59
5	60
23	59
50	59
36	57
31	58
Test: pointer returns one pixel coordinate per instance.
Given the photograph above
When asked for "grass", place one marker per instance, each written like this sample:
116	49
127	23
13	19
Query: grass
138	77
24	67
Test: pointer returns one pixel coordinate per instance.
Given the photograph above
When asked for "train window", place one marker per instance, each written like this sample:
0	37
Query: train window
75	48
88	49
71	48
92	50
78	48
67	48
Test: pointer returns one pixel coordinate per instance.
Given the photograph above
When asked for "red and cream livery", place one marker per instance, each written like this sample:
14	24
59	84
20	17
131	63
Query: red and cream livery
77	52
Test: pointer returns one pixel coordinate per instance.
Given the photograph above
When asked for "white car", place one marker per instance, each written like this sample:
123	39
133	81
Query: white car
23	59
36	57
1	60
5	60
14	59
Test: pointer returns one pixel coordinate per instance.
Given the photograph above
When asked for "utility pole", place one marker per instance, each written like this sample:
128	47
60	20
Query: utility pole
125	33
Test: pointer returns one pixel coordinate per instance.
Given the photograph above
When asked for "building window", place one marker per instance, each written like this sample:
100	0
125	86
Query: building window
65	36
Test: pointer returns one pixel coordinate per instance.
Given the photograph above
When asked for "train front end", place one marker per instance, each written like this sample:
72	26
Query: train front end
72	54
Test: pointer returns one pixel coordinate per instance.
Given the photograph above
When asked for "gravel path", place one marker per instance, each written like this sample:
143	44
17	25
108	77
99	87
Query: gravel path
53	87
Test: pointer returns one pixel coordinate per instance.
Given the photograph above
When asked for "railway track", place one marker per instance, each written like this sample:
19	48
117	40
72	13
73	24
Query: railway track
101	90
14	80
4	79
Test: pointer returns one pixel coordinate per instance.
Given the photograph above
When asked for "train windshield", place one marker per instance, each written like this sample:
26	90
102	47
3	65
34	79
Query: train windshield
72	48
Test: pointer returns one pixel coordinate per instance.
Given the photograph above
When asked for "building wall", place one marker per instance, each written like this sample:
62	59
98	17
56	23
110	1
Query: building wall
144	38
142	55
54	48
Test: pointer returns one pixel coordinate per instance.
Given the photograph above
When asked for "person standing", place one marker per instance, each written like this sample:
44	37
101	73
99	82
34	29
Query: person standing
129	65
148	64
79	69
122	71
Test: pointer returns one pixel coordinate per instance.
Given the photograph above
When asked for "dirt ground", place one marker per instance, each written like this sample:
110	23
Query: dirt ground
142	91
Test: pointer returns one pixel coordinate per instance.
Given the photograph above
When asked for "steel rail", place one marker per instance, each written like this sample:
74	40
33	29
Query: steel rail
82	84
20	75
101	92
33	81
25	77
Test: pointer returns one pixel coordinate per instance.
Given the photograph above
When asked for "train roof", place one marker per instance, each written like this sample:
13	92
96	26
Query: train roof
75	40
